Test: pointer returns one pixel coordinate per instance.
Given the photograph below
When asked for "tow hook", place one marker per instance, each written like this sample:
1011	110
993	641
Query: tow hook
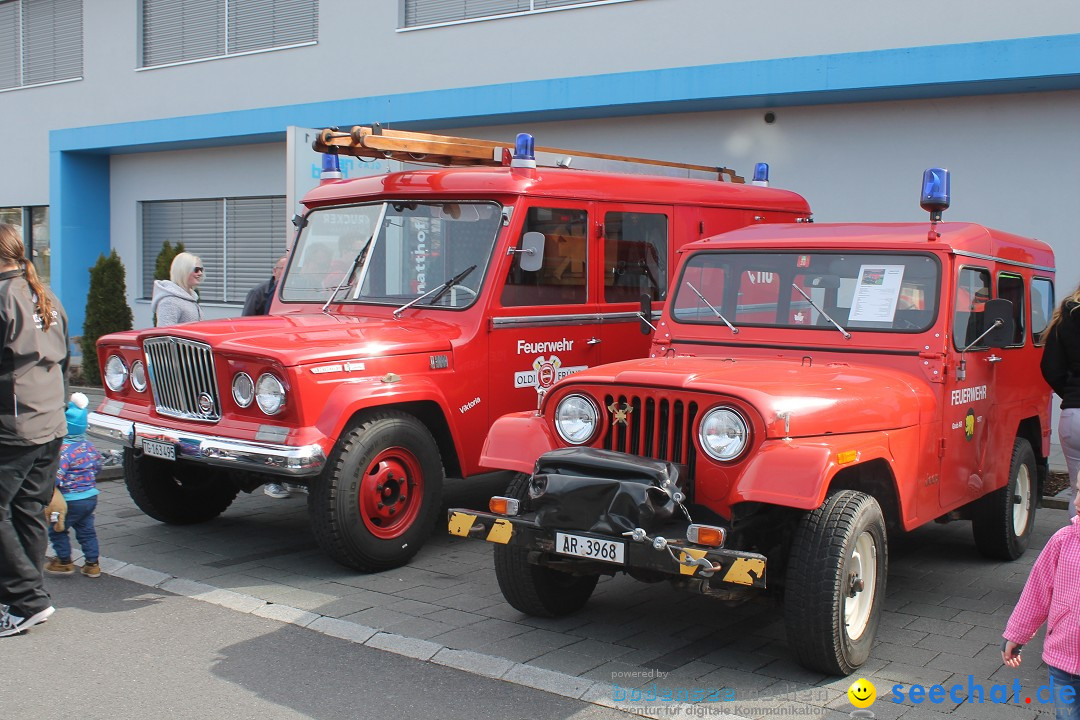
661	543
855	585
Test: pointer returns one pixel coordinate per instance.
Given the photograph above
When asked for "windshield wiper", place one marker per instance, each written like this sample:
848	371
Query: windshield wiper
734	330
846	334
438	292
360	257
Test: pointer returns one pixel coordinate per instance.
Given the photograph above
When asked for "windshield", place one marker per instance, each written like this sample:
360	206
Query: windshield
405	249
865	291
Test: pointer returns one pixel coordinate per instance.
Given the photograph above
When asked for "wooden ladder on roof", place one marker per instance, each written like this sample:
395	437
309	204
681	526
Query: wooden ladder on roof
412	147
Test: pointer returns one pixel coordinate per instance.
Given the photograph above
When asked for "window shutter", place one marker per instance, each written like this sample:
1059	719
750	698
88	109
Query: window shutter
52	35
257	24
177	30
541	4
9	44
237	239
254	240
428	12
196	223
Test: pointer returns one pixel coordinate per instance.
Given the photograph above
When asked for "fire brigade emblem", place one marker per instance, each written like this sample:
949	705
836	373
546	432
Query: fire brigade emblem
969	424
620	415
544	373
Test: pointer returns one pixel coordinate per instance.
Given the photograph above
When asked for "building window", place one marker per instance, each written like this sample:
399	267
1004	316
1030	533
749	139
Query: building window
237	239
41	41
176	31
33	222
417	13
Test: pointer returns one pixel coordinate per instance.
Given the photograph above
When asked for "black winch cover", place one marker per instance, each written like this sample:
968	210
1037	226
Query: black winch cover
601	491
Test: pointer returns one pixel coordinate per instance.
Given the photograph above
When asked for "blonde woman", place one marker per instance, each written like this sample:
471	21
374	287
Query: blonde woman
33	364
175	300
1061	369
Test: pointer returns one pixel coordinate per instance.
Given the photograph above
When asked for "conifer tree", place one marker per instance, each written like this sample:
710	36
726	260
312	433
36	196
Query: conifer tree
164	259
107	311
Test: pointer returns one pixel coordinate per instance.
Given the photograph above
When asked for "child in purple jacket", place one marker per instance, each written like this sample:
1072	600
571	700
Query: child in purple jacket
80	463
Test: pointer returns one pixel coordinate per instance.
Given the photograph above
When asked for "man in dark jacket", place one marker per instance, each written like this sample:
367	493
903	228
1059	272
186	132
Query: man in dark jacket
259	297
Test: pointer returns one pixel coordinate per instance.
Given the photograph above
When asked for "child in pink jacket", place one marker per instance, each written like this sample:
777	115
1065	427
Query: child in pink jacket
1052	595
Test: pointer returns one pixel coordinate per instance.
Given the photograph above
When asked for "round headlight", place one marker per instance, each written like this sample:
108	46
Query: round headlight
723	433
116	373
243	389
138	376
270	394
576	418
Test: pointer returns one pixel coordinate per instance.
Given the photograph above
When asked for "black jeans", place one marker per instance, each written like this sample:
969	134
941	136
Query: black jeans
27	479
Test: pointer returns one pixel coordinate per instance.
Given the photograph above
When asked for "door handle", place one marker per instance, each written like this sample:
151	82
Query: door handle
593	341
994	359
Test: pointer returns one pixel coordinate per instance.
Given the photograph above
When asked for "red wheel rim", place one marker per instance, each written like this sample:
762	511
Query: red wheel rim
391	492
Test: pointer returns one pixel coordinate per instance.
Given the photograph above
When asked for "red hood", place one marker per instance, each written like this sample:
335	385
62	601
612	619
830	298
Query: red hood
819	399
314	337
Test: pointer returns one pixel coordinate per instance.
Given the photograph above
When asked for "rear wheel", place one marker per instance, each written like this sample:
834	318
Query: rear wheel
835	583
177	493
375	502
534	589
1003	520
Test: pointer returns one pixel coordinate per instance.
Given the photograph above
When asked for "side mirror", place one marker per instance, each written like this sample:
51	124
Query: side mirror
645	314
999	322
531	254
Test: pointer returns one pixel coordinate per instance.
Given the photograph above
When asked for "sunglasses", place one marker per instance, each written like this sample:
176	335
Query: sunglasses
197	269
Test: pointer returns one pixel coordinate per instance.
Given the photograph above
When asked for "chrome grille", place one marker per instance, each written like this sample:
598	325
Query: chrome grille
656	426
182	378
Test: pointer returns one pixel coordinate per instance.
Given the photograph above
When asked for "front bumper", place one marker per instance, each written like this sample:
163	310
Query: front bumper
267	458
721	565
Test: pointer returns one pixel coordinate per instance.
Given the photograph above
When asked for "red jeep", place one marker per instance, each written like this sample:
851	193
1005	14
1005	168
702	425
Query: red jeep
416	308
808	387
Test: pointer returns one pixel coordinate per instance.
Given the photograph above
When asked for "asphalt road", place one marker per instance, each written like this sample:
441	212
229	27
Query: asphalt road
115	649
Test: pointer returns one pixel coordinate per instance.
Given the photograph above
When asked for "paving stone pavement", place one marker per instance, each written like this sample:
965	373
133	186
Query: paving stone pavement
944	612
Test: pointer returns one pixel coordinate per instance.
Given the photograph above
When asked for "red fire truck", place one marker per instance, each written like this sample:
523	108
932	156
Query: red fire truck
416	308
810	390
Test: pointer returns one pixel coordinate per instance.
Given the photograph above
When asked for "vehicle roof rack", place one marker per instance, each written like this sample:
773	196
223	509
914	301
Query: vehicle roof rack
412	147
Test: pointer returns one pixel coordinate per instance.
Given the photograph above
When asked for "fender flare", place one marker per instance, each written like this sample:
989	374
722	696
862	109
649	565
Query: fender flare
808	466
352	398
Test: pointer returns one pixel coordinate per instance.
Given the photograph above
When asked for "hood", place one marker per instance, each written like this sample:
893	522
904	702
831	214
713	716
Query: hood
818	399
302	338
167	288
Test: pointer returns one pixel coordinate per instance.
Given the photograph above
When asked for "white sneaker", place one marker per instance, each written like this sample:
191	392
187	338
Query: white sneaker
11	624
294	488
276	491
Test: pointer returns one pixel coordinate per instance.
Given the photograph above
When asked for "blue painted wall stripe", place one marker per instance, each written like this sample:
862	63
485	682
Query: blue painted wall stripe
1045	63
79	220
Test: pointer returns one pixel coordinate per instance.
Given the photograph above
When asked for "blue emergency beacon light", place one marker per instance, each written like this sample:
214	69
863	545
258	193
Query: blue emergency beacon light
935	192
761	175
331	167
524	155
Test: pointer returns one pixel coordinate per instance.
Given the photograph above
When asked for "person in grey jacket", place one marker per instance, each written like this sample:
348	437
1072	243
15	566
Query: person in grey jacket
33	392
174	300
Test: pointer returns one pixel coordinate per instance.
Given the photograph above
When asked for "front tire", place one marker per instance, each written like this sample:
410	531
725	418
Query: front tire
175	493
1003	520
376	501
835	583
534	589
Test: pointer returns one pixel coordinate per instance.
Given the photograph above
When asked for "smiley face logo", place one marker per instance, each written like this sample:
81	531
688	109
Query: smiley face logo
862	693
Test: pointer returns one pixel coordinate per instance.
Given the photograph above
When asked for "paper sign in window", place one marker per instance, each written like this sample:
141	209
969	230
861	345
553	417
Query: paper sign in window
876	291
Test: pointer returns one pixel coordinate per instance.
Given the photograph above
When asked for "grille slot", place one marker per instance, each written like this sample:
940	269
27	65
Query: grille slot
656	427
182	378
